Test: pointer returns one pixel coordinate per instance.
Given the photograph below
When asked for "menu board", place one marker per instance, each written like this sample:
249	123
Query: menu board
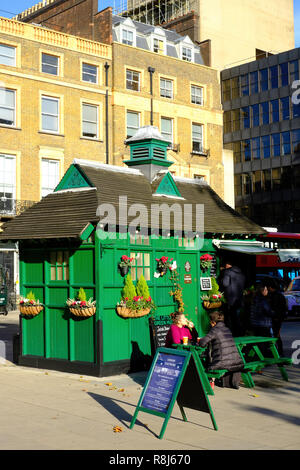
160	326
164	378
213	268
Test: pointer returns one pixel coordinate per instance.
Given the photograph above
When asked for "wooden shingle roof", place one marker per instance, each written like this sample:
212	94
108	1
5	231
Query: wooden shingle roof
66	213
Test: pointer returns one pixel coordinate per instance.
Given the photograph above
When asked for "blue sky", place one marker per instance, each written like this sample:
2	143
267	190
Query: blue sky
13	7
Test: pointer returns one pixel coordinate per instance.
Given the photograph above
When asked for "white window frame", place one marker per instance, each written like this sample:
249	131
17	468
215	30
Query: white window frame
6	187
51	98
129	111
94	122
130	80
124	36
184	55
8	107
195	95
57	67
198	140
163	89
87	73
14	58
47	189
164	134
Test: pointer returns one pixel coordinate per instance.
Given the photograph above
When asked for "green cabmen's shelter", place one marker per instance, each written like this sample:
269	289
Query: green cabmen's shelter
75	237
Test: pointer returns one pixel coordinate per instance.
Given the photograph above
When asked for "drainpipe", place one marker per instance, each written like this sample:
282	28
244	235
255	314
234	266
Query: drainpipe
106	66
151	70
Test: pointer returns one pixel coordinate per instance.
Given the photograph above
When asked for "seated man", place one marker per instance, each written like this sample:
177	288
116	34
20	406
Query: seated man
224	354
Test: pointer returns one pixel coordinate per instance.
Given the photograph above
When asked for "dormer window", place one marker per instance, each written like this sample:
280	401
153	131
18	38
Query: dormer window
187	54
126	32
158	46
127	37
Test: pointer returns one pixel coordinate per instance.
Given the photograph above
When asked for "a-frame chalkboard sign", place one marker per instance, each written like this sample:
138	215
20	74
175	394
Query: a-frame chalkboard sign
174	375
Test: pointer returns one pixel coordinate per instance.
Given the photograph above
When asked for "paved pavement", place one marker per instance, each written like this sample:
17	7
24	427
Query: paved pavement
47	410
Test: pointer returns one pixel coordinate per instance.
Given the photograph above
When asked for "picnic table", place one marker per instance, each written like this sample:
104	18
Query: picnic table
254	359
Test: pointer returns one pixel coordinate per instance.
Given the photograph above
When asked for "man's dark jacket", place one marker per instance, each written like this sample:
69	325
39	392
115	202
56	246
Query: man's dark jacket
224	354
232	283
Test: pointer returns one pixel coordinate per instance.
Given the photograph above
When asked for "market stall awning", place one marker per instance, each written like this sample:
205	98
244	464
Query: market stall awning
247	247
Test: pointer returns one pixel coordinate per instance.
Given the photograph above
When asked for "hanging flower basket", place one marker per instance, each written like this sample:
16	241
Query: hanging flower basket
31	310
125	264
82	308
205	262
211	305
83	311
128	313
124	270
29	306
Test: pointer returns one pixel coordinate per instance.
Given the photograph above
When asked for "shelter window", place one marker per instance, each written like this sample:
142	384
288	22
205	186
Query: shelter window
133	80
50	175
90	120
89	73
50	114
197	95
166	88
7	55
59	266
140	266
186	242
7	183
50	64
139	239
133	123
7	107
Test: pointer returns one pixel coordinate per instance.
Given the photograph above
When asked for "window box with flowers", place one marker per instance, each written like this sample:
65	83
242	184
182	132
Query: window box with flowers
125	264
29	306
81	307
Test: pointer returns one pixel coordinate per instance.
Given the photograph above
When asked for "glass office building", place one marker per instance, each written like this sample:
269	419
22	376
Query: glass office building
261	102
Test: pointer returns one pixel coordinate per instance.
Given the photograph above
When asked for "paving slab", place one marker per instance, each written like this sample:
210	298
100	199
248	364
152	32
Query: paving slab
49	410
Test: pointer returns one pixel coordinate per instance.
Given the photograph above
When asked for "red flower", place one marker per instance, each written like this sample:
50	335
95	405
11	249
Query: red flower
149	299
125	258
21	301
83	303
31	301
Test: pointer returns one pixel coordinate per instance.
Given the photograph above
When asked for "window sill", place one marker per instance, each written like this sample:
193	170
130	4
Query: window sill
91	139
51	133
10	127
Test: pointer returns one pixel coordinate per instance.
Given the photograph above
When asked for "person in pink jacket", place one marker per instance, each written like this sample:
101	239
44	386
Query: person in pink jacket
181	327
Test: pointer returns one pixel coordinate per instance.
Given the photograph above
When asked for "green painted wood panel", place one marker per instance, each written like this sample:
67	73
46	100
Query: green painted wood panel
59	333
83	339
33	335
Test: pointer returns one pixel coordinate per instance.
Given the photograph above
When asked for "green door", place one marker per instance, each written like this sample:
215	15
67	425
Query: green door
189	280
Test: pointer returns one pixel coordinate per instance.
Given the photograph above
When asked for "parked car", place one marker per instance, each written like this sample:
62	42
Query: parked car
292	295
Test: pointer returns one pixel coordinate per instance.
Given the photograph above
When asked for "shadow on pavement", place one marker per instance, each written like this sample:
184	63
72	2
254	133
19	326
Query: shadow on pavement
117	411
275	414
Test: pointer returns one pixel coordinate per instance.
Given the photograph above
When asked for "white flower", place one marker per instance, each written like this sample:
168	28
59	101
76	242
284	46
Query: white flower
173	266
156	274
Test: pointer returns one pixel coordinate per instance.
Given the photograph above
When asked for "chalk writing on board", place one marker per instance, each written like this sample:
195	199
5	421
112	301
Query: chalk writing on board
160	326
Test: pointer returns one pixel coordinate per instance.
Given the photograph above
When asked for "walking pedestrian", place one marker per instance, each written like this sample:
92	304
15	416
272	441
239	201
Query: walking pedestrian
278	305
232	283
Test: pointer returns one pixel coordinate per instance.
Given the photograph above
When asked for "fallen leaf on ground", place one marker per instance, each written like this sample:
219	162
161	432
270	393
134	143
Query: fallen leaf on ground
113	388
117	429
108	383
121	390
83	380
254	395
